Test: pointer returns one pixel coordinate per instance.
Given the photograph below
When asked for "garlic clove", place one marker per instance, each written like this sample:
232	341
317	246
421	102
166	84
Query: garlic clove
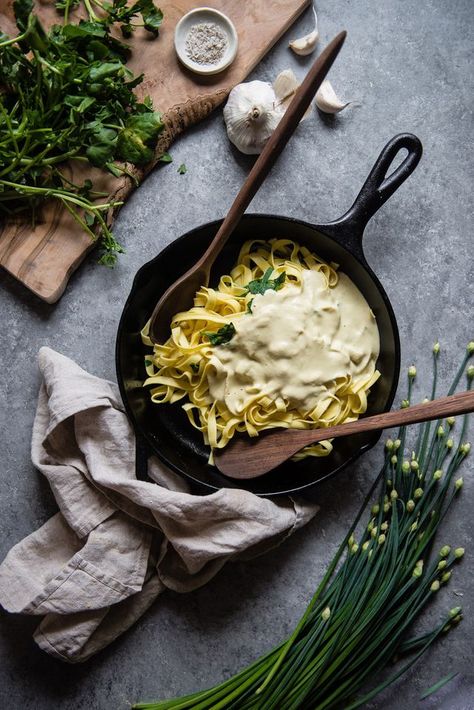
327	100
285	86
305	45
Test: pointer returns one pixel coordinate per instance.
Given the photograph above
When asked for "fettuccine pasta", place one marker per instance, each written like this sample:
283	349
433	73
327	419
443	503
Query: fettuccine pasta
186	367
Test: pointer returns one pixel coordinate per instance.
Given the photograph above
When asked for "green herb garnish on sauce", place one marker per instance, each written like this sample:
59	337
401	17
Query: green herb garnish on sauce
265	283
223	335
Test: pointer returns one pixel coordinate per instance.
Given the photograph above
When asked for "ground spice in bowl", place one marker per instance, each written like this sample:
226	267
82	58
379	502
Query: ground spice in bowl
206	43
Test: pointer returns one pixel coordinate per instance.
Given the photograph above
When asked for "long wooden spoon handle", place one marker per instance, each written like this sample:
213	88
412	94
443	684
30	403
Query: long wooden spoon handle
248	458
280	137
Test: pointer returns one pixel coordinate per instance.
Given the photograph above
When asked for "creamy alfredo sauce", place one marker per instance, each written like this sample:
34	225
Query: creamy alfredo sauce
295	344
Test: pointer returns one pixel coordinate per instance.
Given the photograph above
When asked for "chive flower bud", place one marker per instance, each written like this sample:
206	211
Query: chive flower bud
446	577
437	474
369	554
450	421
414	465
396	444
406	467
389	485
412	370
449	444
455	611
410	505
354	548
382	539
384	526
465	448
405	404
414	526
393	460
435	586
389	444
445	550
375	509
371	524
436	348
351	541
440	432
442	564
459	552
374	532
470	347
457	619
365	546
459	484
386	507
418	493
417	572
394	494
325	614
470	372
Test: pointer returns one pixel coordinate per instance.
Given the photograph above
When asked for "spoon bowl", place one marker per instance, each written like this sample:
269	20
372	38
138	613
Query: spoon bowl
247	458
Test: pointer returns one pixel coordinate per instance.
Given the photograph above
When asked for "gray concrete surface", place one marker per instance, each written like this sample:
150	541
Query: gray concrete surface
408	62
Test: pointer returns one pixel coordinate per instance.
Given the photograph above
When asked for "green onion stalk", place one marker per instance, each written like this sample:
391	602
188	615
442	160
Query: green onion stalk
381	579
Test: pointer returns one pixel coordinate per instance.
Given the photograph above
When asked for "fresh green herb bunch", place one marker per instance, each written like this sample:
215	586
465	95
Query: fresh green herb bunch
118	11
66	94
375	588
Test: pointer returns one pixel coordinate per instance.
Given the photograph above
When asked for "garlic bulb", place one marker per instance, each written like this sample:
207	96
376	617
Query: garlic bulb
285	86
327	100
251	114
305	45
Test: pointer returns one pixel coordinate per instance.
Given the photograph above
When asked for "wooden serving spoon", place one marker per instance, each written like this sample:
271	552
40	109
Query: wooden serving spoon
179	296
249	458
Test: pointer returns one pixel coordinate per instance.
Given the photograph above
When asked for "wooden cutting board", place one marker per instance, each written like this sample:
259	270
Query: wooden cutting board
43	258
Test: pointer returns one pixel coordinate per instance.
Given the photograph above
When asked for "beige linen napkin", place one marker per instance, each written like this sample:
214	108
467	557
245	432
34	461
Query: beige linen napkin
118	542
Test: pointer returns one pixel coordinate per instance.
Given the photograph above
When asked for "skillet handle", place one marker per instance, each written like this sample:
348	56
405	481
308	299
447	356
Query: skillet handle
376	190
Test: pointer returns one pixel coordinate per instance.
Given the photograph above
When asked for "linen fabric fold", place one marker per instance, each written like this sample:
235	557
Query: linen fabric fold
118	542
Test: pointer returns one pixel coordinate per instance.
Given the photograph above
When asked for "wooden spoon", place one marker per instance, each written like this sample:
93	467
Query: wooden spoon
249	458
179	296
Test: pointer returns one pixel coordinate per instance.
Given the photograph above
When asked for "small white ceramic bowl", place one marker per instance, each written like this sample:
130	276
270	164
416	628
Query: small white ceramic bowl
205	15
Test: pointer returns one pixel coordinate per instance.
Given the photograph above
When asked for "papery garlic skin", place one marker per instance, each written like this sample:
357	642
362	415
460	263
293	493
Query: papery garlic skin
327	100
251	114
305	45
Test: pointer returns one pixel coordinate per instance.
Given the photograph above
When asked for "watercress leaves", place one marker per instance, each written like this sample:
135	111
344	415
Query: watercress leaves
223	335
137	140
66	93
259	286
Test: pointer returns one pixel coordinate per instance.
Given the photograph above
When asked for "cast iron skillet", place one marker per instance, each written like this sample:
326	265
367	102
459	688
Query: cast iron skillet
164	429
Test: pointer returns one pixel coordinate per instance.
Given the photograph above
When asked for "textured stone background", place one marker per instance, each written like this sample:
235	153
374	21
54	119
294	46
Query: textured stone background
408	62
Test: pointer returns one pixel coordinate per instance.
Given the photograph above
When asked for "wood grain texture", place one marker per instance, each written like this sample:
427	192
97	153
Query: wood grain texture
248	458
43	258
